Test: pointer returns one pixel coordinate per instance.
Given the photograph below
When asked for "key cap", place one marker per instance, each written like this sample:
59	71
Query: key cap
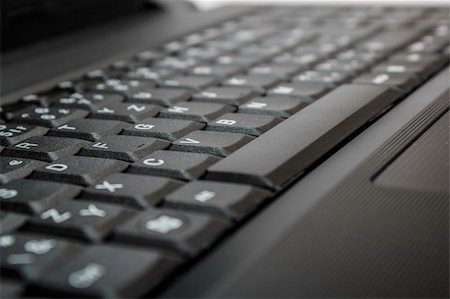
160	96
79	219
44	99
256	82
79	170
88	129
278	107
168	129
215	143
126	148
403	82
126	112
303	60
148	74
30	256
202	112
33	197
185	232
402	68
46	117
109	272
329	78
307	91
45	148
175	63
305	137
225	95
232	201
389	41
220	71
249	124
130	189
11	134
178	165
242	61
280	71
10	222
195	83
121	87
12	169
87	101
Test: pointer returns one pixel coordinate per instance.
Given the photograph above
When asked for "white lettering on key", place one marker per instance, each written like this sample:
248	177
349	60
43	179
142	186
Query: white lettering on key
92	210
136	108
57	167
40	246
178	109
229	122
189	141
26	145
66	127
283	90
204	196
153	162
8	193
87	276
15	162
108	186
144	127
101	145
163	224
256	105
20	259
56	216
6	241
380	79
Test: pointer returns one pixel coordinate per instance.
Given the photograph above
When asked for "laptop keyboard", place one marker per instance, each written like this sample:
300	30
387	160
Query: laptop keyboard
114	182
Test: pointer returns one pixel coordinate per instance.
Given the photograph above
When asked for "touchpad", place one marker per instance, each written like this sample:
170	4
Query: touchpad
424	165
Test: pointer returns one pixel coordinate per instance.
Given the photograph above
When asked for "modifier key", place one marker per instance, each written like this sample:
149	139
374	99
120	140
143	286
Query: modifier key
287	150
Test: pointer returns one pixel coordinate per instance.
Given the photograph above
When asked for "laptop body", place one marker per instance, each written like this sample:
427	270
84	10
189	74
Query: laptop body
368	217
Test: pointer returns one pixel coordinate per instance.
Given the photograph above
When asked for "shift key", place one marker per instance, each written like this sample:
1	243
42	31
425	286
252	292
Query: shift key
284	152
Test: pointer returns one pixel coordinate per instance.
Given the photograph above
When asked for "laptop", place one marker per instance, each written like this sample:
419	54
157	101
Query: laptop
149	149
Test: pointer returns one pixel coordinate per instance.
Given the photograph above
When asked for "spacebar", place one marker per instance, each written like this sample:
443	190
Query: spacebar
288	149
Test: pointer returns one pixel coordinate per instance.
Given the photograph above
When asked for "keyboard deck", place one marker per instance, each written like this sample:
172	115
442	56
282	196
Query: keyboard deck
113	183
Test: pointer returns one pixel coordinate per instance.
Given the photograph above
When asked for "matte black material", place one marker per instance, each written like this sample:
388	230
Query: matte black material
304	137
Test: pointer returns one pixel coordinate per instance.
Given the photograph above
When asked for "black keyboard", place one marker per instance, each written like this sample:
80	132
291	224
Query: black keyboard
115	182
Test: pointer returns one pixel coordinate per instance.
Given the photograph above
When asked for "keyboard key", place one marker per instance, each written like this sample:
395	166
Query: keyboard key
278	107
403	82
241	123
280	71
169	129
202	112
29	256
160	96
307	91
12	169
178	165
10	222
79	219
129	189
389	41
220	71
121	87
11	134
256	82
242	61
225	95
233	201
401	68
88	129
45	148
126	148
46	117
214	143
187	233
33	197
195	83
126	112
108	272
79	170
145	73
87	101
305	137
329	78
